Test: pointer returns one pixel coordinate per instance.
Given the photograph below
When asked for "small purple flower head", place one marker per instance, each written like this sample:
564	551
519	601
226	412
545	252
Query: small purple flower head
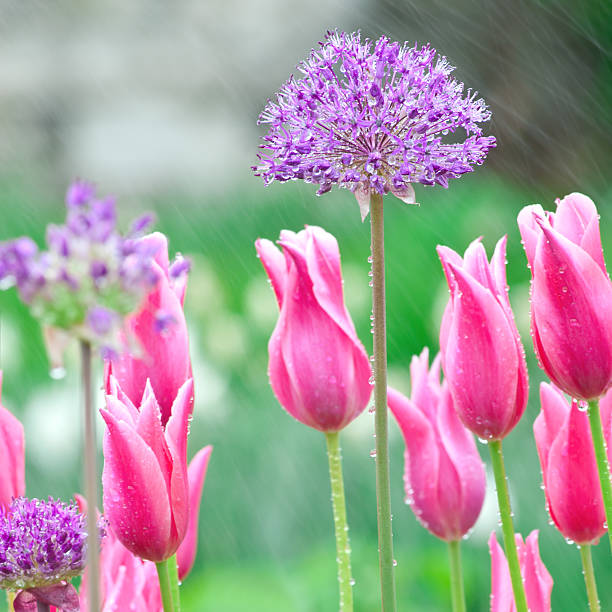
90	276
371	116
41	543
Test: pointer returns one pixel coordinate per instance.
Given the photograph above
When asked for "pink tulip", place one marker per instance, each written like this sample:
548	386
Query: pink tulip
12	456
444	476
571	295
569	470
318	368
482	354
538	582
196	473
156	342
146	496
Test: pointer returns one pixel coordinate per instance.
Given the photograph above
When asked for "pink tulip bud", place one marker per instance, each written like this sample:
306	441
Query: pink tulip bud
569	470
571	295
482	354
12	456
196	473
536	578
444	475
319	370
146	496
158	332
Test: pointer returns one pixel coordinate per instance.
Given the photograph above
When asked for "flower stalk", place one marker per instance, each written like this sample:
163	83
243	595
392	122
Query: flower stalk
91	477
168	583
456	572
589	577
343	548
603	467
505	512
383	486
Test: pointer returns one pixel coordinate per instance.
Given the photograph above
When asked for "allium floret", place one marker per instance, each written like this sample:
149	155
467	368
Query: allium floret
41	543
90	276
372	116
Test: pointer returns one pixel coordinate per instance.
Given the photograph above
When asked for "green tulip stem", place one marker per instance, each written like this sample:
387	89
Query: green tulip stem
589	577
603	467
505	512
91	479
379	329
343	548
167	572
456	573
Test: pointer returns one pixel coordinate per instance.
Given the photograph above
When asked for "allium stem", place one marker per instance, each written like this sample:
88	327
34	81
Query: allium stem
603	467
91	479
10	598
383	486
167	573
343	547
589	577
505	512
457	591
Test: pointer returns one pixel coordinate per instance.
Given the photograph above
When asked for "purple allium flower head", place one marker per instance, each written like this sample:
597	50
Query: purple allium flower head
41	543
372	116
90	276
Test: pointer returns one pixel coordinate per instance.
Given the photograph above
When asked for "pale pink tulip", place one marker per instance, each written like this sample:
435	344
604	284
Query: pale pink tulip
318	368
536	578
571	295
444	475
156	343
12	456
482	354
146	496
571	481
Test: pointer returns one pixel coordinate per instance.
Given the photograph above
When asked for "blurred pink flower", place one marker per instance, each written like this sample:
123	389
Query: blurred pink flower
319	370
444	475
12	456
571	481
482	354
161	354
571	295
538	582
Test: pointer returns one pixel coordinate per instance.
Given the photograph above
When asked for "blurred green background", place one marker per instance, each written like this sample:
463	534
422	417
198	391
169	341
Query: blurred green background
158	105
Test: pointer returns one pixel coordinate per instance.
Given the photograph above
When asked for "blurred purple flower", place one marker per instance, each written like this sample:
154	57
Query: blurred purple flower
371	116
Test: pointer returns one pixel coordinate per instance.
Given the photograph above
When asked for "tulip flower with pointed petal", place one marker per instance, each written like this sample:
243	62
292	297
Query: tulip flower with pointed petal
571	295
482	354
571	481
12	456
318	368
160	331
146	497
444	475
537	579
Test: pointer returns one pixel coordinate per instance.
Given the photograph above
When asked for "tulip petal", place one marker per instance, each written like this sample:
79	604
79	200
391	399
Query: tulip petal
572	483
196	473
572	326
537	579
502	597
481	359
132	479
274	264
529	229
12	456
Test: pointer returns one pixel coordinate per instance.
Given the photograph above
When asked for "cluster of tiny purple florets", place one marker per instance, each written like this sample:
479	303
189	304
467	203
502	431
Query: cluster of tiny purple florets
41	543
90	275
371	116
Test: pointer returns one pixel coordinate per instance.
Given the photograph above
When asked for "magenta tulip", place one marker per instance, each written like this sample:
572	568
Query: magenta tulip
569	470
145	482
12	456
482	354
318	368
536	578
155	337
571	295
444	475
